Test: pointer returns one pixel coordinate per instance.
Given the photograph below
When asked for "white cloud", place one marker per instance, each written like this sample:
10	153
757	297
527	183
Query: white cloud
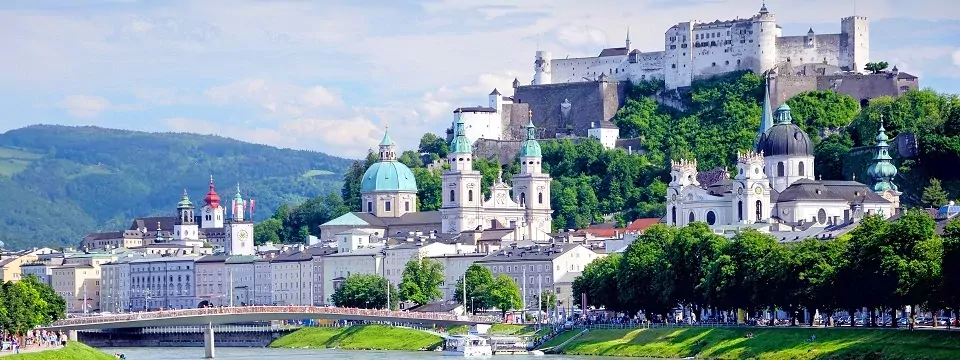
956	57
84	106
278	98
574	35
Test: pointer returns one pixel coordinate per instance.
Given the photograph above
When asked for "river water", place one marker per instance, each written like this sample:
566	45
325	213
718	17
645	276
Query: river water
305	354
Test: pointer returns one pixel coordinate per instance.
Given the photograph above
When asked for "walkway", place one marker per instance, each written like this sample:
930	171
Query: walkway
31	349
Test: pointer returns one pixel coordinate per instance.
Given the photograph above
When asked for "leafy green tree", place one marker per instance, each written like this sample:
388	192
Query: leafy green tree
822	110
364	291
352	180
25	308
933	194
429	189
599	281
644	280
267	231
282	213
813	269
757	270
303	235
876	67
505	294
829	155
691	251
479	285
950	262
52	306
432	144
411	159
548	300
421	281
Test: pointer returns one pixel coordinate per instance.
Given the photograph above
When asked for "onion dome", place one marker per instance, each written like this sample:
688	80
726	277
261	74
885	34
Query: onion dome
460	144
185	202
785	138
882	170
530	147
212	199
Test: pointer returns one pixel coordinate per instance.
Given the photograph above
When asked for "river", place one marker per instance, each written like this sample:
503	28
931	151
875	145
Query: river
229	353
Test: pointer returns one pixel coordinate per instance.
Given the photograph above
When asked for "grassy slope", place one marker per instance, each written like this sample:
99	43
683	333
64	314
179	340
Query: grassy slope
366	337
768	344
73	351
512	329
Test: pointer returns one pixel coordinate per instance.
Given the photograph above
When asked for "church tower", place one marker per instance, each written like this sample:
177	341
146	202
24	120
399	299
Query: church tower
531	187
239	230
462	203
213	213
185	228
751	190
882	171
683	173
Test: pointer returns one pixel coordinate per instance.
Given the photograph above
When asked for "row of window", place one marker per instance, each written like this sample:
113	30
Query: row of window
387	206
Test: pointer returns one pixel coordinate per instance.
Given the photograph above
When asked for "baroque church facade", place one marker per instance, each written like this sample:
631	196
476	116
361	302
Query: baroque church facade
388	193
775	188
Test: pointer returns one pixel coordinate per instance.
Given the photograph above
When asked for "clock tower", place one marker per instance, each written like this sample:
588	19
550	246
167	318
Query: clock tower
239	230
212	214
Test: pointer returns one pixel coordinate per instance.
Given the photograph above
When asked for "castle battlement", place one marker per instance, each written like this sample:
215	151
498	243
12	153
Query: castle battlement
750	157
697	50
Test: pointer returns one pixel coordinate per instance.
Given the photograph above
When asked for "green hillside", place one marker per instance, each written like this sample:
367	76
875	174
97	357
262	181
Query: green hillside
60	183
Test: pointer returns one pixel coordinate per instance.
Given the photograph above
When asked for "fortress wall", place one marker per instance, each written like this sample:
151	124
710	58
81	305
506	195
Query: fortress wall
593	101
861	87
503	150
785	87
795	50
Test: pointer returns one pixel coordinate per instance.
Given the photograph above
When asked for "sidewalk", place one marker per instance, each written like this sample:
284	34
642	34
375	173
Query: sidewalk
30	349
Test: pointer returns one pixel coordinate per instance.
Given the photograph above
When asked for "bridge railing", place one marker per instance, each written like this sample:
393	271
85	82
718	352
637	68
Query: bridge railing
306	310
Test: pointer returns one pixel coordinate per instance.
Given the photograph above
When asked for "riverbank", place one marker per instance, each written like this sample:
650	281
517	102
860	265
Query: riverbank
73	351
361	337
766	343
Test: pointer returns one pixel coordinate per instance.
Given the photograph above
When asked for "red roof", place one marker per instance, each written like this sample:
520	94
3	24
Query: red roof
638	225
212	198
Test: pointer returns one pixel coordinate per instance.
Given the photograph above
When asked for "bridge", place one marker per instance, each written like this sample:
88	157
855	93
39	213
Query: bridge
209	317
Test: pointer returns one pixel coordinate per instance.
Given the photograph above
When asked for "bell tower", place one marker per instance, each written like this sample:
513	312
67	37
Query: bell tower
751	190
212	214
239	230
185	228
531	187
462	198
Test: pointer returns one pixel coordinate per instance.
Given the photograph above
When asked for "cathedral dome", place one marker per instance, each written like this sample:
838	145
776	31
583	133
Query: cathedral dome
388	176
785	138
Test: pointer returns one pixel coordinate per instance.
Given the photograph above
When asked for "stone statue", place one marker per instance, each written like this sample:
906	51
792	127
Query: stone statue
565	109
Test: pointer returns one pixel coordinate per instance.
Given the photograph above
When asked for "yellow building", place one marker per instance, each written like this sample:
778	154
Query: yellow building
79	285
10	263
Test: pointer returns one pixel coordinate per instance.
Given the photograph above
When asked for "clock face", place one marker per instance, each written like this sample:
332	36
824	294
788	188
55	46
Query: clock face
758	191
207	210
739	191
242	234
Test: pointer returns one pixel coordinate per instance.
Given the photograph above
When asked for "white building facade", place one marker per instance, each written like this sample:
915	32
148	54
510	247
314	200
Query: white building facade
694	50
167	283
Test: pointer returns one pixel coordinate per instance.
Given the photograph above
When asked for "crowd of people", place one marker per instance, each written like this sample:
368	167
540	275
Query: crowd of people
40	339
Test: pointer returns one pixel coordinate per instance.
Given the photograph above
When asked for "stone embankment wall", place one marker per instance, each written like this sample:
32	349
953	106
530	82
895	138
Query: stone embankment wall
120	339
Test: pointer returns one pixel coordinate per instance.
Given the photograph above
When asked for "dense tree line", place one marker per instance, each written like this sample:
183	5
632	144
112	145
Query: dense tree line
883	266
60	183
28	303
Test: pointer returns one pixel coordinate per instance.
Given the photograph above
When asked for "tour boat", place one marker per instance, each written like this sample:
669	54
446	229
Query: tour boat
468	346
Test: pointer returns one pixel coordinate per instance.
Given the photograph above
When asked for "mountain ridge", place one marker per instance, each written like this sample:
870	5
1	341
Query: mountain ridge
62	182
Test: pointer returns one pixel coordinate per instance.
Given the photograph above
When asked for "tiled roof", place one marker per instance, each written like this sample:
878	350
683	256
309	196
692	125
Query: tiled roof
614	51
529	253
849	191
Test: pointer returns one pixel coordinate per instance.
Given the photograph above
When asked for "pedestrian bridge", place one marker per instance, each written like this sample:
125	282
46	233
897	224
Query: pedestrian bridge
208	317
232	315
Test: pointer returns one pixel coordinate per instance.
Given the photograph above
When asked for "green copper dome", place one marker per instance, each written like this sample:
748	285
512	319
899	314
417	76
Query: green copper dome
185	202
237	197
388	176
460	143
531	148
387	141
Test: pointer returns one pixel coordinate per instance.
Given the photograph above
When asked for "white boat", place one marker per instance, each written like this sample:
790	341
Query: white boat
468	346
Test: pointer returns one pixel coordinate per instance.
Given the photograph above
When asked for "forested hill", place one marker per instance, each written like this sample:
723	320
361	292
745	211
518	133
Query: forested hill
59	183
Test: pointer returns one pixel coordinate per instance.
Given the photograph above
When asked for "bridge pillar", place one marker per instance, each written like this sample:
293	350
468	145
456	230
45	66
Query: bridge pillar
72	335
208	341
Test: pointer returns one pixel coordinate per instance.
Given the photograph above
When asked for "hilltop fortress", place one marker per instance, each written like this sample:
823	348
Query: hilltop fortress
694	50
578	97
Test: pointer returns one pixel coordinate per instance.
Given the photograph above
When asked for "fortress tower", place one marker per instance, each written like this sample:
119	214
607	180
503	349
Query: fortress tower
766	35
854	43
542	68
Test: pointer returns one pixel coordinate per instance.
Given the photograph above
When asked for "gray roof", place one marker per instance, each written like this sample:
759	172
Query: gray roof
785	139
529	253
614	51
321	251
213	258
293	256
412	218
475	109
165	259
242	259
366	251
831	190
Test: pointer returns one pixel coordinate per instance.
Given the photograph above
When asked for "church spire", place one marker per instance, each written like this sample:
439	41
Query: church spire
460	144
628	39
388	149
766	117
882	170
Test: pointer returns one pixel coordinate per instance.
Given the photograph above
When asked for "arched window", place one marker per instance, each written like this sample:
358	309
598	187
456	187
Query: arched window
759	210
711	218
469	195
800	169
673	215
780	169
692	218
453	196
540	197
523	199
740	210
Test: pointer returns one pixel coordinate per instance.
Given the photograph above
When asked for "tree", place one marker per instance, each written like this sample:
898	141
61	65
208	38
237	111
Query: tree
25	308
815	265
822	110
950	260
267	231
54	306
505	294
411	159
364	291
599	281
876	67
933	194
548	300
303	235
433	144
829	155
479	283
429	188
421	281
644	280
353	178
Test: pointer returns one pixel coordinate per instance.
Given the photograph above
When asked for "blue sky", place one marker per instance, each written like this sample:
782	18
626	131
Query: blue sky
328	76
